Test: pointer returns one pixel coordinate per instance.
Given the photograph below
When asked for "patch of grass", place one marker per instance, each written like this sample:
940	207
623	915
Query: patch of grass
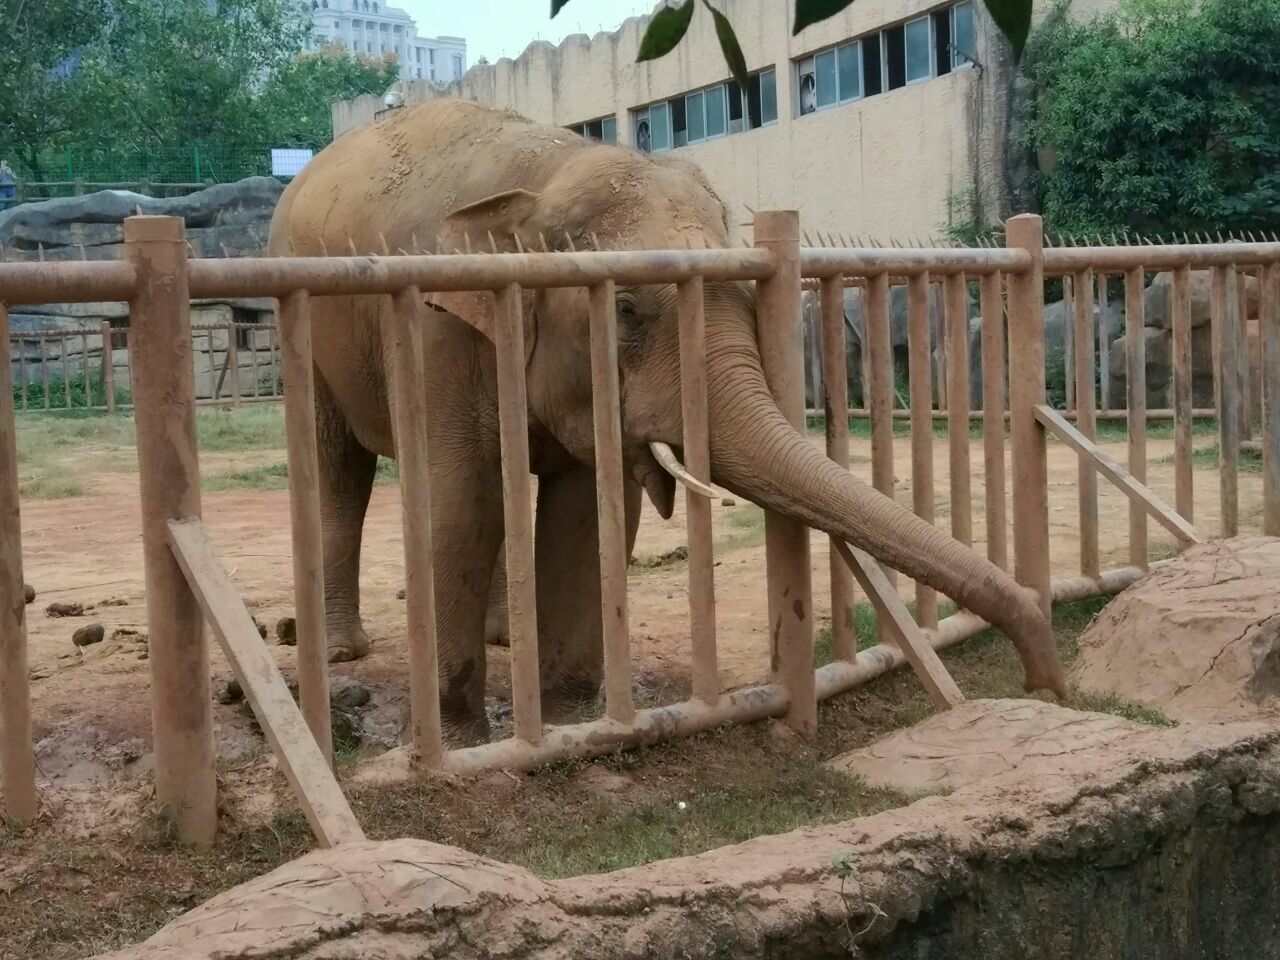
49	486
69	900
747	525
719	787
253	427
864	629
268	476
1208	458
275	476
1109	703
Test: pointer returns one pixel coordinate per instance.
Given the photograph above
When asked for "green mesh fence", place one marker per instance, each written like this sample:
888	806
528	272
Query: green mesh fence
156	171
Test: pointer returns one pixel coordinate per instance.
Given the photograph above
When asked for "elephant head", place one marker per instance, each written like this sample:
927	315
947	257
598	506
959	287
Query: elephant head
626	200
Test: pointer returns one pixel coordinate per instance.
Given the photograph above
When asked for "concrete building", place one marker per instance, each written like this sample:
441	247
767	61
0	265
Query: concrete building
892	120
371	28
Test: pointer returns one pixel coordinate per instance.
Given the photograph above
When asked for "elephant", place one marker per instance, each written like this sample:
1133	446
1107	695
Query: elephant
457	174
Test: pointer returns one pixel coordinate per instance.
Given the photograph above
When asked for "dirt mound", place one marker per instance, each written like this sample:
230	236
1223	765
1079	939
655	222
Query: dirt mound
1198	639
980	739
1163	844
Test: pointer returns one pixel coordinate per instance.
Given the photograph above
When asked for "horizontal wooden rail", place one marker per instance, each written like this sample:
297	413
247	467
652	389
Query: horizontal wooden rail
303	763
820	263
1198	256
858	413
1137	493
324	276
76	281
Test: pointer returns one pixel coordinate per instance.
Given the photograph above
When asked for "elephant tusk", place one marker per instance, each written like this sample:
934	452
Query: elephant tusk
667	459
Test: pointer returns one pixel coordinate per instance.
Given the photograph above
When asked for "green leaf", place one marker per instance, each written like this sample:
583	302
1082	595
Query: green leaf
557	6
809	12
729	45
666	29
1013	17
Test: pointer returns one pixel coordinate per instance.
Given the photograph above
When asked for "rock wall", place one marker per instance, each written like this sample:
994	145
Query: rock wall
226	220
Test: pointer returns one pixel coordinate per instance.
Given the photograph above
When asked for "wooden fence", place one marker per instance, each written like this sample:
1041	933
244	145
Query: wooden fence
91	368
187	583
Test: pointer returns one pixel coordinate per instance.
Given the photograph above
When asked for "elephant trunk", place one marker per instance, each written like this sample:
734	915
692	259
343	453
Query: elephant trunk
756	453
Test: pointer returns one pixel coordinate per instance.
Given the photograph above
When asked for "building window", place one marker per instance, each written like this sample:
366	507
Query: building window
919	50
964	41
707	114
604	130
457	66
832	76
906	53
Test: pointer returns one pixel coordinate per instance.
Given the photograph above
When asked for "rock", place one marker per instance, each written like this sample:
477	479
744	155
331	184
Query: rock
1198	638
980	739
1158	299
230	217
728	502
348	693
230	692
348	729
88	635
262	628
28	593
1158	343
64	610
287	632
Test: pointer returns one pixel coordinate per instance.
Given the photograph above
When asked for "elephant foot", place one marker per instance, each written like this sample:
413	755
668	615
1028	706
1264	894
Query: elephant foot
466	731
348	644
572	701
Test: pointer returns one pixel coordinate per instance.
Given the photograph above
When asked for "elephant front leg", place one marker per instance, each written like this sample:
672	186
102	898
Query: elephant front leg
567	562
466	534
346	481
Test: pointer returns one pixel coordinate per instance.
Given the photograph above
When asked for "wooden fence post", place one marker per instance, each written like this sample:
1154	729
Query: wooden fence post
169	478
108	367
787	541
17	759
1269	333
1026	392
1136	350
835	394
233	362
304	515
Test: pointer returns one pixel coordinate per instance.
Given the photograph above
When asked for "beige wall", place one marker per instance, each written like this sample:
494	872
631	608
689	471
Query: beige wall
886	167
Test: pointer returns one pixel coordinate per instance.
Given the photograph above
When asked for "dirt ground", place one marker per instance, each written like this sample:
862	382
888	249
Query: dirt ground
91	706
100	871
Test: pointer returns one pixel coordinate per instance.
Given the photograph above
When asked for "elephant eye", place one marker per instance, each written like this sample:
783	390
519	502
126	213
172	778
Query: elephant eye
626	308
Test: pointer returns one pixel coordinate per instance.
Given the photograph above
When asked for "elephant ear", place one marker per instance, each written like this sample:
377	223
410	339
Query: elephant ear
502	217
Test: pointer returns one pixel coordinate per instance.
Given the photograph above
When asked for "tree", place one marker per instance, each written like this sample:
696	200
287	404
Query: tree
293	106
44	37
668	26
182	71
1162	117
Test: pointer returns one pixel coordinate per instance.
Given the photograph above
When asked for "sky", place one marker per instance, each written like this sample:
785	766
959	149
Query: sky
503	28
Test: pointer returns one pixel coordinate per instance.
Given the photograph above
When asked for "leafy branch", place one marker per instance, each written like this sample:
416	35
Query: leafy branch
669	25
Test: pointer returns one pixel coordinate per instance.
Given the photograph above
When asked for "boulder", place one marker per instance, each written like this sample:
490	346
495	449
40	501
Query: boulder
1158	299
1159	350
1198	638
980	739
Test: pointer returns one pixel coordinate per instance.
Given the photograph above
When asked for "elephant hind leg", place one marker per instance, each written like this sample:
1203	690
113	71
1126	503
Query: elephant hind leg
346	482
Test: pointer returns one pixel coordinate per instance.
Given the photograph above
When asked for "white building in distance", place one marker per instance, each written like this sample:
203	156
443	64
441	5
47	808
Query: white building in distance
371	28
